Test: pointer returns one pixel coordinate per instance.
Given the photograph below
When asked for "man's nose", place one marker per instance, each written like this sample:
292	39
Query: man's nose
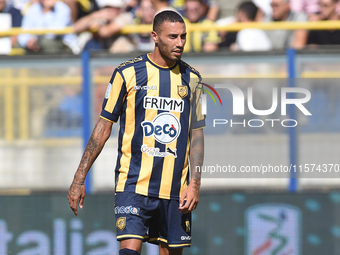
180	42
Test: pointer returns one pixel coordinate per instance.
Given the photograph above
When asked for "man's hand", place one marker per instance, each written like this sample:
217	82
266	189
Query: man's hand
33	44
76	194
190	198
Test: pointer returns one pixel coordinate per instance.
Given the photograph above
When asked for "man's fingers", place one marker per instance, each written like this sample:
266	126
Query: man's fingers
189	206
76	195
73	206
184	204
193	206
75	211
185	208
81	202
181	200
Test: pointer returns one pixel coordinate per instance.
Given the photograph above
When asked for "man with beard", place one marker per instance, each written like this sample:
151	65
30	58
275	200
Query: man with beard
156	96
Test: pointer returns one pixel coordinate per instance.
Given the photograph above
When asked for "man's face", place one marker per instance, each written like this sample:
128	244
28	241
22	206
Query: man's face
2	4
114	11
280	9
48	4
193	10
327	8
241	16
170	39
148	11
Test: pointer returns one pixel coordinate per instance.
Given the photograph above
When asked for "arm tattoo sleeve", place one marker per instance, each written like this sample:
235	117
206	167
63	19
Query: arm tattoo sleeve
196	157
92	150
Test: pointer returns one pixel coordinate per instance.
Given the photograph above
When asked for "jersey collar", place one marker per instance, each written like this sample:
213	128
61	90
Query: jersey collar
159	66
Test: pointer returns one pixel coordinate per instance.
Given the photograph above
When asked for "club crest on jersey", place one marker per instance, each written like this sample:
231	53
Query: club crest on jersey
121	223
182	91
165	128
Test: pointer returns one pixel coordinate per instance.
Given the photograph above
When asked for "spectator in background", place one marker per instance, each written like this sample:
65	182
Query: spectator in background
199	41
162	5
264	6
48	14
307	6
22	5
95	20
16	18
179	5
106	25
250	39
282	39
326	37
81	8
212	10
145	14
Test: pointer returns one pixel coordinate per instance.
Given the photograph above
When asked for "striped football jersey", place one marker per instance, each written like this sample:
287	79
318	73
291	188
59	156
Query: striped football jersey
157	107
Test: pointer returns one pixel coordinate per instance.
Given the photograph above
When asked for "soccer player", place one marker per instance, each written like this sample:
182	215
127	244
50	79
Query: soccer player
156	96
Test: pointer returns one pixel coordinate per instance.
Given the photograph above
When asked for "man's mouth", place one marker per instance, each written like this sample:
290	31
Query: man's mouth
177	52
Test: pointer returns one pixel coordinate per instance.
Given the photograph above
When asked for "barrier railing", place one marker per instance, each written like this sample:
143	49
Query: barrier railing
129	29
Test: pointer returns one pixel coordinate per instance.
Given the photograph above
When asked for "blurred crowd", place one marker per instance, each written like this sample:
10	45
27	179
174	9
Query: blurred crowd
97	24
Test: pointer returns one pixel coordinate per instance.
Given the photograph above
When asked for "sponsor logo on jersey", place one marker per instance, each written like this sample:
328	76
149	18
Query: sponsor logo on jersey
173	152
121	223
182	91
155	152
127	210
145	87
108	90
163	103
165	128
185	238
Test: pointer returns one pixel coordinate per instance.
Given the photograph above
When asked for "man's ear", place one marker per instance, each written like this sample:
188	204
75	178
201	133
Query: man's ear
154	36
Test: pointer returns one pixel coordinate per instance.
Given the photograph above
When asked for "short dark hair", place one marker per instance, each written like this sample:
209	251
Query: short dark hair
249	8
166	16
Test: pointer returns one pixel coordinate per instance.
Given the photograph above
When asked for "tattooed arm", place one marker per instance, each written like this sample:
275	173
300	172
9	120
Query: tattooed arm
99	136
191	193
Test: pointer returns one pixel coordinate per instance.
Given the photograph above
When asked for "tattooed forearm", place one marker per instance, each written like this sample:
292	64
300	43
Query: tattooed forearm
196	156
93	148
197	151
196	179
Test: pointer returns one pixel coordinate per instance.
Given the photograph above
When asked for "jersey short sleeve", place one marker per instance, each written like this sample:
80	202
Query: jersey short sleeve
114	97
198	119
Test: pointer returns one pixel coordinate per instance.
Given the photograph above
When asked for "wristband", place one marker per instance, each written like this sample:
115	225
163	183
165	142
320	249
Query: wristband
78	183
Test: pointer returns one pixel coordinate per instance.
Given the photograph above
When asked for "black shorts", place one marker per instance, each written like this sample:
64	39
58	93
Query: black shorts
151	219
